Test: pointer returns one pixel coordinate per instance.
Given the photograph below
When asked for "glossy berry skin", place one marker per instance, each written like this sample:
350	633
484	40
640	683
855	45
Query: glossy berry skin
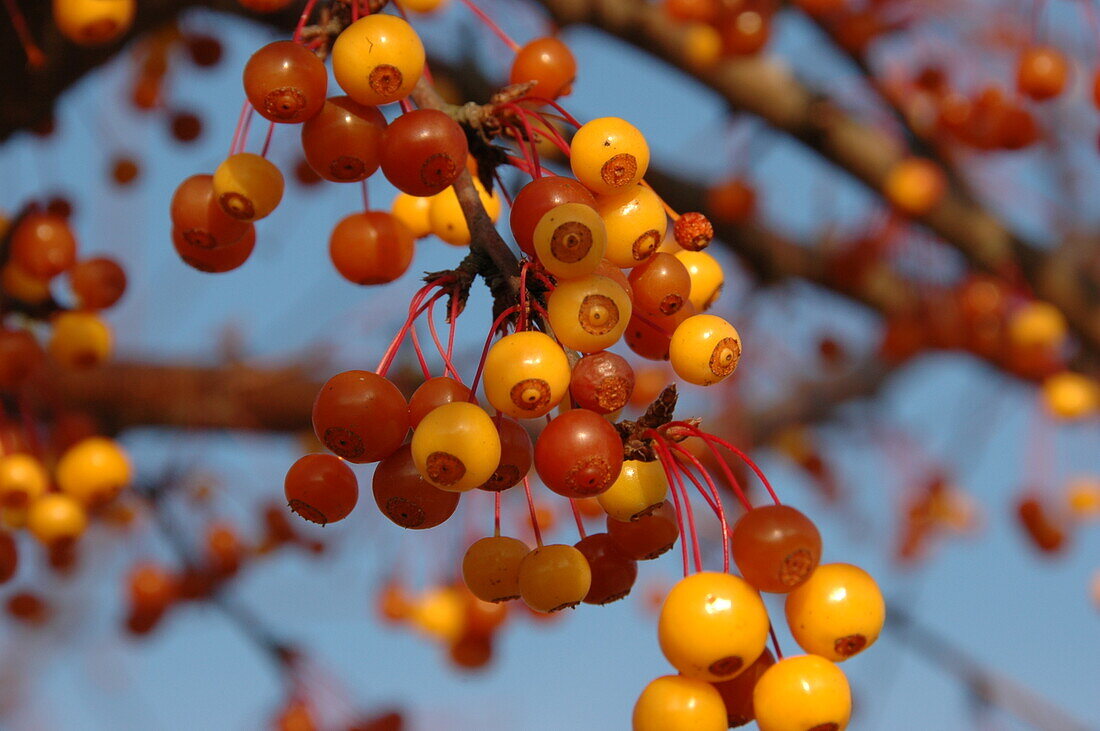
549	63
371	248
647	537
79	340
218	260
378	59
636	224
456	446
97	283
661	284
342	142
432	393
613	572
706	276
836	613
802	692
199	219
602	382
704	350
570	240
776	547
712	626
247	186
517	454
360	416
676	703
93	22
321	488
412	211
579	454
1042	73
554	577
589	314
285	82
447	220
526	375
405	497
490	568
650	336
609	155
23	480
56	519
43	245
423	152
737	692
94	471
640	488
539	197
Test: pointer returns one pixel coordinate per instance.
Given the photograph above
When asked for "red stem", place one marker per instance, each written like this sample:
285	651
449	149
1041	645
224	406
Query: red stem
484	17
35	57
306	12
577	517
715	505
267	140
531	507
744	457
485	351
419	352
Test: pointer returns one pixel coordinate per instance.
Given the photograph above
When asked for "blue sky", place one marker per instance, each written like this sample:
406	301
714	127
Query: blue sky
1024	616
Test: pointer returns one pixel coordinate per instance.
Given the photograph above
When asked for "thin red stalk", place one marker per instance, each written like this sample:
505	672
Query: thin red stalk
523	269
641	316
577	518
243	141
552	134
775	643
530	157
503	191
665	465
366	194
267	140
526	122
448	365
406	105
519	165
415	309
451	330
566	116
744	457
734	482
716	505
484	17
496	514
29	426
35	57
240	126
419	352
354	10
485	351
531	507
676	473
306	12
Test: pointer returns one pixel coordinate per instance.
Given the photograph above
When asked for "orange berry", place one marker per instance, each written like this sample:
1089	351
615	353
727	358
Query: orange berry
79	340
554	577
94	471
1042	72
676	703
915	186
802	692
93	22
490	568
837	612
378	59
609	155
56	519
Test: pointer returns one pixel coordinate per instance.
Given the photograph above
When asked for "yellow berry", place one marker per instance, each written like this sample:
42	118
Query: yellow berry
704	349
94	471
636	224
837	612
676	703
1082	497
639	488
915	186
609	155
570	240
1070	395
712	626
440	613
456	447
702	46
55	518
490	568
23	480
589	314
526	375
423	6
93	22
1037	324
248	187
800	693
378	59
706	275
447	220
79	340
555	577
412	211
